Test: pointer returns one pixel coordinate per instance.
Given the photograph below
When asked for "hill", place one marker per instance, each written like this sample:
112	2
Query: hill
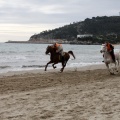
101	28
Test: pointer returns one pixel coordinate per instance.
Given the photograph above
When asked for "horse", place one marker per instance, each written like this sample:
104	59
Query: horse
55	58
109	61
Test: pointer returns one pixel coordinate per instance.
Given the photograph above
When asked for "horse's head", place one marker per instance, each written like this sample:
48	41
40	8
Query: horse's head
103	49
50	49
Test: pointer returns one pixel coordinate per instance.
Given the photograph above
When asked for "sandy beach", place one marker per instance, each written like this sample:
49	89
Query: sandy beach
88	93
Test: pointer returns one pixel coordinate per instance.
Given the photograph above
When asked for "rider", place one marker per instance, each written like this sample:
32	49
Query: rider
110	49
59	49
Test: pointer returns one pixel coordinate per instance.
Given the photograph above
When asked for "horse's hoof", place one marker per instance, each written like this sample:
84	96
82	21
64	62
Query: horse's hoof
55	67
61	70
112	74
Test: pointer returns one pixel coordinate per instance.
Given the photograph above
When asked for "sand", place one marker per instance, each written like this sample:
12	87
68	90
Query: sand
88	93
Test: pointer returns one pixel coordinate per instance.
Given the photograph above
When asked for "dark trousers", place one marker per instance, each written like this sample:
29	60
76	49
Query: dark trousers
112	54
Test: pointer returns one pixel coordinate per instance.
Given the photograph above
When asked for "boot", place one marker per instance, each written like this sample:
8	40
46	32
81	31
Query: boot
114	59
103	57
112	55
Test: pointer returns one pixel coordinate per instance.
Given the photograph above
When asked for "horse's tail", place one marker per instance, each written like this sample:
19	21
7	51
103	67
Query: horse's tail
71	52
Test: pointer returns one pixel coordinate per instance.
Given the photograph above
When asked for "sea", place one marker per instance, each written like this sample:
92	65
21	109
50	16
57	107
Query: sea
21	57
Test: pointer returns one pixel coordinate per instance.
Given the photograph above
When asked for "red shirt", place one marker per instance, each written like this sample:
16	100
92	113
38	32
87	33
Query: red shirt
109	47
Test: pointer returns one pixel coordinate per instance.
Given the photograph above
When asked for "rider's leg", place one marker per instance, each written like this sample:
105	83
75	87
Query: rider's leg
112	55
103	57
62	56
60	51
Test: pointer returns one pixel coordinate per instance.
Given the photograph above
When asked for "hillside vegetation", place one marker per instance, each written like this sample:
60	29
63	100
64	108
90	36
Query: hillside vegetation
102	28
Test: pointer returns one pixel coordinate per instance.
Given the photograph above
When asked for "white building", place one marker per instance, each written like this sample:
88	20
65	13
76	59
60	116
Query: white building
84	35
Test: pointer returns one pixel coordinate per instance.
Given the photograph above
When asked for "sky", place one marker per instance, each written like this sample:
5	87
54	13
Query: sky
20	19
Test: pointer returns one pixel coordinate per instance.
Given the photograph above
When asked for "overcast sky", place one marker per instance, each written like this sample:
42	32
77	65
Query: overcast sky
20	19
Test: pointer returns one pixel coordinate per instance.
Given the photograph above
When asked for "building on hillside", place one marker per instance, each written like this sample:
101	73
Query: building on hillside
84	36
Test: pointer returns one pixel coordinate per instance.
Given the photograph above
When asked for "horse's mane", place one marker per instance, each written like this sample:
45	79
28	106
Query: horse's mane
52	47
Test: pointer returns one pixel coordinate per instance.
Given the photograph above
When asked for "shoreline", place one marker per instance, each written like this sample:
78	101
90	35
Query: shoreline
51	70
40	42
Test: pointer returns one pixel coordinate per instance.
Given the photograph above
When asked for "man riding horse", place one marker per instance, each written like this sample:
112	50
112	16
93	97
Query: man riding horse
58	56
110	49
59	50
111	60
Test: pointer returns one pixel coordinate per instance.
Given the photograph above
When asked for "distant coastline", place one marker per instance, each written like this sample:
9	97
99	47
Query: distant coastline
30	42
51	42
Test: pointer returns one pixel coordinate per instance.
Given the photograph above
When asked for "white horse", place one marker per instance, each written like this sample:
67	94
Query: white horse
109	61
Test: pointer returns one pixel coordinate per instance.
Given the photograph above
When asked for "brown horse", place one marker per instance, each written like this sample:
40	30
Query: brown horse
55	58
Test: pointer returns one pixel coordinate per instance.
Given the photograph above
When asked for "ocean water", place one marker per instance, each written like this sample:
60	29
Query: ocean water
18	57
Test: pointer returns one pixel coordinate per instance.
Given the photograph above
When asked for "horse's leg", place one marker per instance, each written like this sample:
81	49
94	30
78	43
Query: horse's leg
118	60
63	65
108	67
47	65
117	65
65	62
53	65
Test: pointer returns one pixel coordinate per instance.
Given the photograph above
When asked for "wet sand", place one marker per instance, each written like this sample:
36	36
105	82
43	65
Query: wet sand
88	93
